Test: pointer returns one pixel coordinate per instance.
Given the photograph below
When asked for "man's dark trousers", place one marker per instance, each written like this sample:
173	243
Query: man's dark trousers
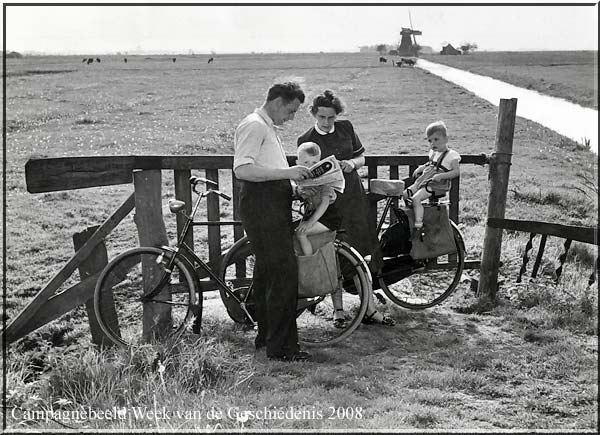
266	212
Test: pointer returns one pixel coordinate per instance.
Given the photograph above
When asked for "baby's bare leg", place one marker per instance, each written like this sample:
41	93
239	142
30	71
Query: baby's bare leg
304	244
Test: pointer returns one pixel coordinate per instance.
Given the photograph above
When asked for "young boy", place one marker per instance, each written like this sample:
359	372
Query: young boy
434	176
318	216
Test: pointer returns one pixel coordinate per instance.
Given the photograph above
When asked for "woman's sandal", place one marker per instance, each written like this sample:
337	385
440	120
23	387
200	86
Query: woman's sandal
341	322
386	320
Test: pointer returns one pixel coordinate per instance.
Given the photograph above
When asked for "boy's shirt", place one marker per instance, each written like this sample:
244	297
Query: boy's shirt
450	157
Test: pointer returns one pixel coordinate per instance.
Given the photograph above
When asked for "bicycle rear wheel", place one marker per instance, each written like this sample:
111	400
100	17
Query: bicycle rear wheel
423	284
314	316
118	297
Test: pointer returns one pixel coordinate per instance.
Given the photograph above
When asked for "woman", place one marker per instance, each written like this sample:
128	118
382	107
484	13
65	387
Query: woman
338	138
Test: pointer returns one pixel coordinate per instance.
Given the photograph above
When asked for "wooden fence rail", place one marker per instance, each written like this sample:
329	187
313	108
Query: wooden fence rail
67	173
570	233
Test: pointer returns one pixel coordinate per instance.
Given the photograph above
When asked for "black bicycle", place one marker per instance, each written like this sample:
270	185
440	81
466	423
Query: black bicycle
133	289
418	284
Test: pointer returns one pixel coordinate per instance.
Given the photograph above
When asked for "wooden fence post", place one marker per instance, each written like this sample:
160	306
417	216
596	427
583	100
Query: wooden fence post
500	162
94	263
151	232
183	192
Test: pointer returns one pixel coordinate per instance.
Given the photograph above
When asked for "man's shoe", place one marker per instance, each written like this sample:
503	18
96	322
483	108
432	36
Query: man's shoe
298	356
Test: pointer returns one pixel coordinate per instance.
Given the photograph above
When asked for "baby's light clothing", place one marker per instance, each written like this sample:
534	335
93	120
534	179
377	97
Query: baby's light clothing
312	198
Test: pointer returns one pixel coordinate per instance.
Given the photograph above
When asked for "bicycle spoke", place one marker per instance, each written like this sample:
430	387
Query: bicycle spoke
123	285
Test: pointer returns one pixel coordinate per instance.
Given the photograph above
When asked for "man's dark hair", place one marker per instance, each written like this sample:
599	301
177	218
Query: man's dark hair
288	91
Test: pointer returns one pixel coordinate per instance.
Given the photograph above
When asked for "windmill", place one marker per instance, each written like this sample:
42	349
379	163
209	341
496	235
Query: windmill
408	41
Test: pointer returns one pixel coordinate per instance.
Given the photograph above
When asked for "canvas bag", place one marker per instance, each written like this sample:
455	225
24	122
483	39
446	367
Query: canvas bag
439	237
317	273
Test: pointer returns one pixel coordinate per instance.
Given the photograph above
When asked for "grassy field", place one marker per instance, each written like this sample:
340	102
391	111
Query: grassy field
572	75
529	363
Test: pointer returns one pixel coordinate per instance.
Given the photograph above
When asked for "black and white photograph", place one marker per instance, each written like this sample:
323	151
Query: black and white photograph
300	217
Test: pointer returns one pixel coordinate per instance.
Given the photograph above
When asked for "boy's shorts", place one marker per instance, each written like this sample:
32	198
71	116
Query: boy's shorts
437	188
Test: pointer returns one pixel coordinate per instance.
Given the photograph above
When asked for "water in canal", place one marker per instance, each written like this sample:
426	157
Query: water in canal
569	119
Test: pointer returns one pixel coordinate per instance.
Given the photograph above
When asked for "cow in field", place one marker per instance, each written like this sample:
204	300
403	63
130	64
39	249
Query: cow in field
84	60
125	60
382	60
408	61
211	59
90	60
174	59
98	59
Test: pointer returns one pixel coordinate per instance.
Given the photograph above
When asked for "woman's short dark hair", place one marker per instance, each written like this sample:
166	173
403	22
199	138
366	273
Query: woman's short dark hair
327	99
288	91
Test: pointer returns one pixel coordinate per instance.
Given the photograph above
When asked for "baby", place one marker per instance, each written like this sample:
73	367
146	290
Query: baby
433	178
318	218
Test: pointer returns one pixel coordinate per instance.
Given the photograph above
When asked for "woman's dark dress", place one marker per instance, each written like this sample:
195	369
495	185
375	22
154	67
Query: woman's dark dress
353	204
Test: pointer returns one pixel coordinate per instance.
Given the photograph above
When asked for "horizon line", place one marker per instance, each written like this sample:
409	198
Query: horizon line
169	53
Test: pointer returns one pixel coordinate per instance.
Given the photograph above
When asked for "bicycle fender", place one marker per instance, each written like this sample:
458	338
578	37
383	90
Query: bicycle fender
460	236
184	259
241	246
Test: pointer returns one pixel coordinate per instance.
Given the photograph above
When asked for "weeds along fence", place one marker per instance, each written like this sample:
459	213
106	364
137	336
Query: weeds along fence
145	173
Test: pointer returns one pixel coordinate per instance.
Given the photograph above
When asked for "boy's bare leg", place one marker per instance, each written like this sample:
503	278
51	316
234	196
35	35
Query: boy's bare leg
417	198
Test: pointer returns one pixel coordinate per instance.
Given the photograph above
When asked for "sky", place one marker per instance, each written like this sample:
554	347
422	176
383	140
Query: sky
240	28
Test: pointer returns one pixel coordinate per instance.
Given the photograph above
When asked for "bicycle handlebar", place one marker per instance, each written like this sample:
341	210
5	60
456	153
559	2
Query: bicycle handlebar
195	180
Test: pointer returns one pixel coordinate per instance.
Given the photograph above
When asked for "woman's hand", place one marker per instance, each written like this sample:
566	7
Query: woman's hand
347	165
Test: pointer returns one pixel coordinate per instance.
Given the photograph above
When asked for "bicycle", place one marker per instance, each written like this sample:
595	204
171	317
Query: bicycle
140	279
314	316
419	284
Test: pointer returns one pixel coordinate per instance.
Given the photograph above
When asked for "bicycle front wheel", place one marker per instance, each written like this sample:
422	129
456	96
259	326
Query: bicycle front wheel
315	315
122	313
417	285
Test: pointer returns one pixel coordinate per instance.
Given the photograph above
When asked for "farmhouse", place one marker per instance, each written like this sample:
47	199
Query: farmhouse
449	49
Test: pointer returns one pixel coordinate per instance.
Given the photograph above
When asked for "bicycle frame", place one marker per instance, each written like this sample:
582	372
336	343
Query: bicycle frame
185	252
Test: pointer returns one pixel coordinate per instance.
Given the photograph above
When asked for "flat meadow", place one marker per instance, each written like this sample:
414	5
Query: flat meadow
528	363
565	74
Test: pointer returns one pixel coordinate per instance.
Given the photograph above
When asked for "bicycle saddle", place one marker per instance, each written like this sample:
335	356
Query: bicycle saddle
387	187
175	205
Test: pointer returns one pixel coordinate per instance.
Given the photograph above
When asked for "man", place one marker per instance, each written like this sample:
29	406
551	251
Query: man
266	211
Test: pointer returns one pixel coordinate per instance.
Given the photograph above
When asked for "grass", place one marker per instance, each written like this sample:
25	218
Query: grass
529	362
568	75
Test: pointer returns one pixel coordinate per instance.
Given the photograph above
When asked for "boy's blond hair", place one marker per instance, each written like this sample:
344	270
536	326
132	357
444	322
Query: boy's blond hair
436	127
310	148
